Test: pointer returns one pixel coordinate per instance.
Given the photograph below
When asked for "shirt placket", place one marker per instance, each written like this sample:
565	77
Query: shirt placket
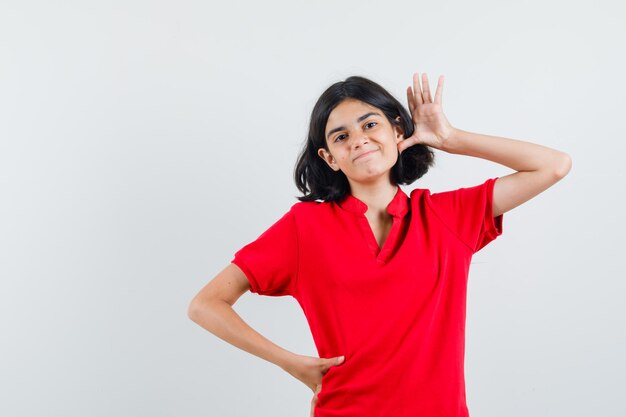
381	254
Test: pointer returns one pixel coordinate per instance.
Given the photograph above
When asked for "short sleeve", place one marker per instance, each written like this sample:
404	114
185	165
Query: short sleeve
468	212
271	261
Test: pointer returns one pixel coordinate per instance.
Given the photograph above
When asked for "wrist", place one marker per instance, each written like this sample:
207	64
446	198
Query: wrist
286	360
450	143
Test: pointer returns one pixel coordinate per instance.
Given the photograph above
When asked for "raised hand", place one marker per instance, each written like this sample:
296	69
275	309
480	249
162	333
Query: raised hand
432	128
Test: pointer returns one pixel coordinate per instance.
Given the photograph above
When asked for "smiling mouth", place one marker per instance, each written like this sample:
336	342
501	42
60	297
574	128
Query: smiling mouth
365	154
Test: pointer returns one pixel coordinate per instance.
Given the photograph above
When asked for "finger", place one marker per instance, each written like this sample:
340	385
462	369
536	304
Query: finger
406	143
417	90
330	362
314	400
401	146
426	89
439	92
409	99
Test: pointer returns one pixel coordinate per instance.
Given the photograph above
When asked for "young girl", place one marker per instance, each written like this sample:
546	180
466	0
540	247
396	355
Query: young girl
381	276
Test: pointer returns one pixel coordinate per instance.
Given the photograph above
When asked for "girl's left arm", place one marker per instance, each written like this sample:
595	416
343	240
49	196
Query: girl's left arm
539	167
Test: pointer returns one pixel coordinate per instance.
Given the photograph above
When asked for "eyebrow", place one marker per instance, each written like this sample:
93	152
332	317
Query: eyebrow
360	119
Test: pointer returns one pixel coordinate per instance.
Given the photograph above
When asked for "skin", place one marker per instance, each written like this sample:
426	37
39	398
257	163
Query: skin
537	168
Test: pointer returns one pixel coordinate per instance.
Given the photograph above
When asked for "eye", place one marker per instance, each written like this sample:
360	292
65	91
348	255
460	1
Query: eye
368	125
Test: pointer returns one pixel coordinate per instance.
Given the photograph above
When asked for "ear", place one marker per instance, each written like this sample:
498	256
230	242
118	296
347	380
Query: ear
328	158
398	130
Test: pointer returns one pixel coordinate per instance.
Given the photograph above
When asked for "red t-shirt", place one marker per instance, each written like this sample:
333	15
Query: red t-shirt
397	314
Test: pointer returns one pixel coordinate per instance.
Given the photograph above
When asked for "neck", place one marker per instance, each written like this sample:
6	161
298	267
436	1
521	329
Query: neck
376	196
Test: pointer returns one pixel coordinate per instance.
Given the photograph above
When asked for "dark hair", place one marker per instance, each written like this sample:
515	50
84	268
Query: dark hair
316	180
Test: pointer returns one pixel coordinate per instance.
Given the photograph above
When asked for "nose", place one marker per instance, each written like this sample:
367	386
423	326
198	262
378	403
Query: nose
360	139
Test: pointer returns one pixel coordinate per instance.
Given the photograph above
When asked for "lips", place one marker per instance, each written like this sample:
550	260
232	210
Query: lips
365	153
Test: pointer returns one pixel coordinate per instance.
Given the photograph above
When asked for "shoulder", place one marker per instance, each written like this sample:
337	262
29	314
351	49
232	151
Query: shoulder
419	196
459	200
309	208
424	200
313	212
419	193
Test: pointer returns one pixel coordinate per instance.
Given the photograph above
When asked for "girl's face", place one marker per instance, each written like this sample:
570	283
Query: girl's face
361	142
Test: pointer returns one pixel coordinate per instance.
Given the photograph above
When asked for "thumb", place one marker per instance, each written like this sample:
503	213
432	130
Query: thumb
330	362
339	359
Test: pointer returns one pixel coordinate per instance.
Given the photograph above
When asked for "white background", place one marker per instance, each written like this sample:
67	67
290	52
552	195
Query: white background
143	142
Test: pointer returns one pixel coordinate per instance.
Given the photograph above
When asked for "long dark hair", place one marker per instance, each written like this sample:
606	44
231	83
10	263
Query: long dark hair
316	180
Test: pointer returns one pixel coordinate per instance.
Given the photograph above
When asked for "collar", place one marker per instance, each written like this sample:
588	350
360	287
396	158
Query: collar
397	207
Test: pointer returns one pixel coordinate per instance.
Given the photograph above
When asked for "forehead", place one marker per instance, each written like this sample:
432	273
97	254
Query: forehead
348	111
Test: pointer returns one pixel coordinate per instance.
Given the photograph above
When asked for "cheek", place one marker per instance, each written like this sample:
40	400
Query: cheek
393	156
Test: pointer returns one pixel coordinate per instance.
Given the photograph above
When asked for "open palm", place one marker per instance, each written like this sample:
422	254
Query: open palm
432	128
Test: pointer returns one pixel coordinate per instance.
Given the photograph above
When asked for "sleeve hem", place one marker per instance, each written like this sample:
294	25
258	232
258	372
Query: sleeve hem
493	224
254	286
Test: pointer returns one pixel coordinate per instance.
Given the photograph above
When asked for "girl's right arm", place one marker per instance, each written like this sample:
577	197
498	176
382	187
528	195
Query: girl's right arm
212	309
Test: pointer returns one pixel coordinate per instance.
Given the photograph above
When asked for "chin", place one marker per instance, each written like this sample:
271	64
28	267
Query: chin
372	175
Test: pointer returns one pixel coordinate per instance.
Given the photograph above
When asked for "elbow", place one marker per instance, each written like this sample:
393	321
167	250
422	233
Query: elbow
199	307
563	166
193	310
